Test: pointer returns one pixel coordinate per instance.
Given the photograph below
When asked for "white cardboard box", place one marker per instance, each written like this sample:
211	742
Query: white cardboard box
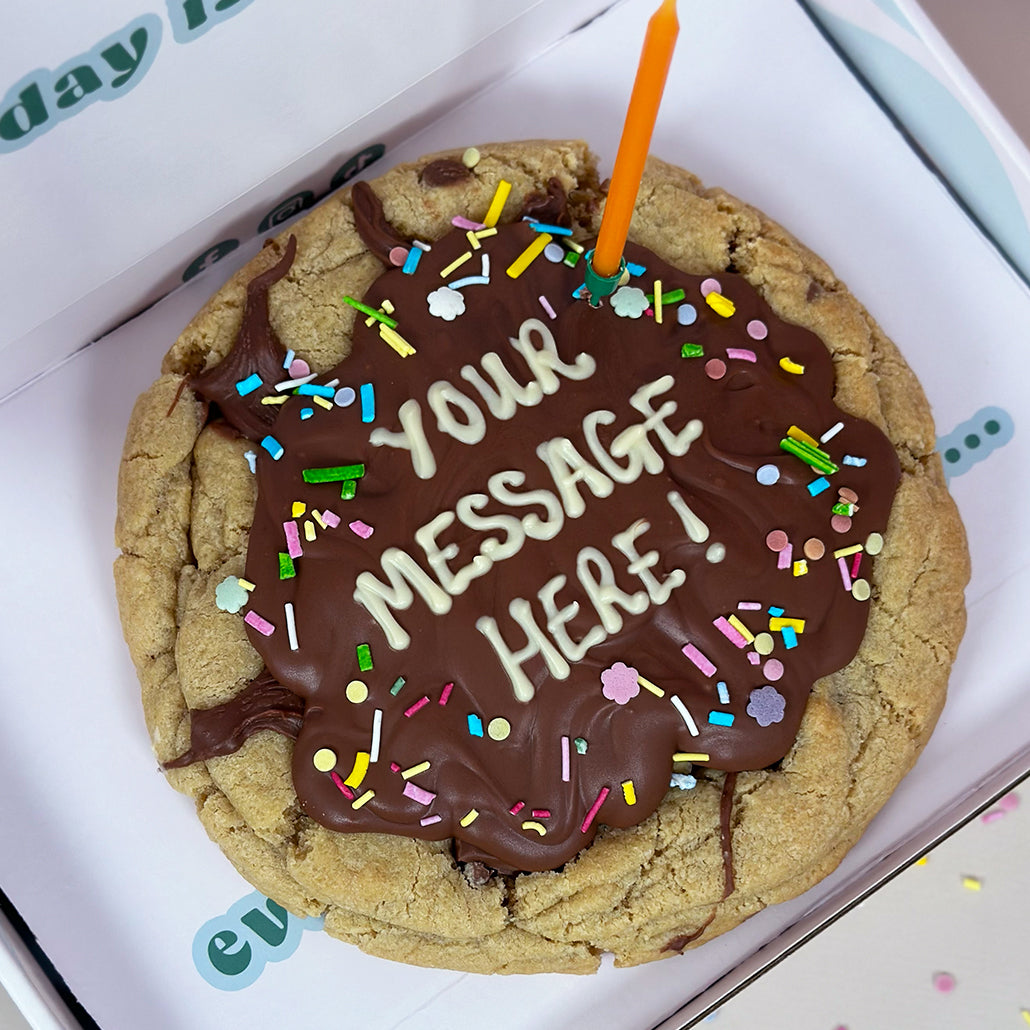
110	868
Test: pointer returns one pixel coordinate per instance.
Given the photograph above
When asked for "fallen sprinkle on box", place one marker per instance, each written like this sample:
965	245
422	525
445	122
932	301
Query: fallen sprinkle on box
263	626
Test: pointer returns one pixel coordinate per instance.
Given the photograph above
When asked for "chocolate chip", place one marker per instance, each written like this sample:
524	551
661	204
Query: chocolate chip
444	172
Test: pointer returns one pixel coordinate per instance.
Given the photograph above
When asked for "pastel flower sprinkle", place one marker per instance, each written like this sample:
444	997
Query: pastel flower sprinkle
229	595
446	303
766	705
629	302
620	683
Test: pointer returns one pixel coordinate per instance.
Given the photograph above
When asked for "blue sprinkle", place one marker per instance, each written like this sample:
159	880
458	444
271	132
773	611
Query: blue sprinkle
775	612
724	694
411	261
311	390
368	402
817	486
767	475
635	269
306	413
272	445
290	355
579	291
684	781
475	725
554	230
790	638
720	718
686	314
850	459
249	385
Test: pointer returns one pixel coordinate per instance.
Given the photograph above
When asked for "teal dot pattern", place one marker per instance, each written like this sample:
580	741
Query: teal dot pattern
974	440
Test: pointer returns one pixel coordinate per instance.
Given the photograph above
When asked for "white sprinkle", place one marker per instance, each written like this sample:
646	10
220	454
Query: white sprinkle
724	694
291	626
686	716
377	729
251	460
484	264
421	245
289	384
831	432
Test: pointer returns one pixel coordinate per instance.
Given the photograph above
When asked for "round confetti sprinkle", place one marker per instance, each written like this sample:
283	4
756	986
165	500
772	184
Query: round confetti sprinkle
470	158
840	523
344	397
398	255
356	692
757	329
944	982
776	540
874	543
324	759
847	495
860	590
814	548
686	314
715	368
553	252
764	643
773	669
715	553
767	475
498	728
229	595
299	368
710	286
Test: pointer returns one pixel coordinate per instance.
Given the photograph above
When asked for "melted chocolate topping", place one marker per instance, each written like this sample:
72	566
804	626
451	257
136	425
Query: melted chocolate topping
444	172
567	586
378	235
551	208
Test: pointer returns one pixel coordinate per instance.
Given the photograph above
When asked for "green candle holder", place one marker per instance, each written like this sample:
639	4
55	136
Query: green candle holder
600	286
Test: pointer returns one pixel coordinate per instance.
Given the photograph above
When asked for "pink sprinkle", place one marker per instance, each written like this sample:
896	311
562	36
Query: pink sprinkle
465	223
398	255
394	767
785	557
993	815
740	354
293	547
710	286
416	793
757	329
446	692
363	529
840	523
565	759
842	564
330	518
299	368
715	369
754	657
855	564
541	813
338	780
699	659
428	820
776	540
594	809
420	703
944	982
773	669
730	631
517	807
263	626
546	305
749	606
1009	802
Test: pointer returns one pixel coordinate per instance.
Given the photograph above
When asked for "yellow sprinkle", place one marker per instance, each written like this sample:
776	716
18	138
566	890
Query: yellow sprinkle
414	770
923	860
690	756
456	263
1025	1013
658	301
245	583
532	824
775	625
473	240
323	402
720	305
356	692
648	685
493	212
387	306
298	509
971	883
529	255
309	530
571	244
370	320
324	759
874	543
799	434
628	792
469	817
764	643
845	551
470	158
317	516
498	729
357	774
395	340
741	628
482	234
281	399
860	590
790	366
363	800
801	567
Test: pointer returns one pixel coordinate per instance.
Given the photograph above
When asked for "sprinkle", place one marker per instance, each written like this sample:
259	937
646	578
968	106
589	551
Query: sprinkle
682	781
364	655
364	799
715	368
686	314
470	158
272	445
398	685
766	705
792	366
288	360
292	384
309	530
473	240
690	756
531	824
368	402
840	524
785	557
293	545
429	820
554	253
790	639
323	402
819	460
482	233
844	552
692	350
648	685
469	280
333	473
446	693
773	669
249	385
658	298
724	693
699	660
710	286
420	703
777	623
775	612
324	759
377	732
291	626
372	313
629	792
396	341
287	570
245	583
475	725
874	543
274	400
565	759
230	596
348	490
764	643
411	261
498	729
594	809
634	269
767	475
685	715
814	548
944	982
362	529
344	397
741	354
356	692
312	390
972	883
831	432
580	745
541	813
741	628
460	222
546	305
357	773
749	606
528	256
347	792
855	565
719	304
757	329
795	433
845	574
317	516
720	718
469	817
817	486
414	770
620	683
800	567
572	259
517	807
251	458
330	518
493	212
850	459
730	632
860	590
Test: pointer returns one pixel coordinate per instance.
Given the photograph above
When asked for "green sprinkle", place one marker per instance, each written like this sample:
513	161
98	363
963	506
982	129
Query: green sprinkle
364	657
398	683
581	745
691	350
333	474
670	297
371	312
349	489
287	570
809	455
843	508
571	259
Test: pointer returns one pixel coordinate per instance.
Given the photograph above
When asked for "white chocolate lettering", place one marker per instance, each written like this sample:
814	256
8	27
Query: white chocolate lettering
491	547
677	444
536	644
634	466
443	398
640	565
535	527
503	398
412	437
694	527
603	593
545	362
568	467
557	618
454	583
